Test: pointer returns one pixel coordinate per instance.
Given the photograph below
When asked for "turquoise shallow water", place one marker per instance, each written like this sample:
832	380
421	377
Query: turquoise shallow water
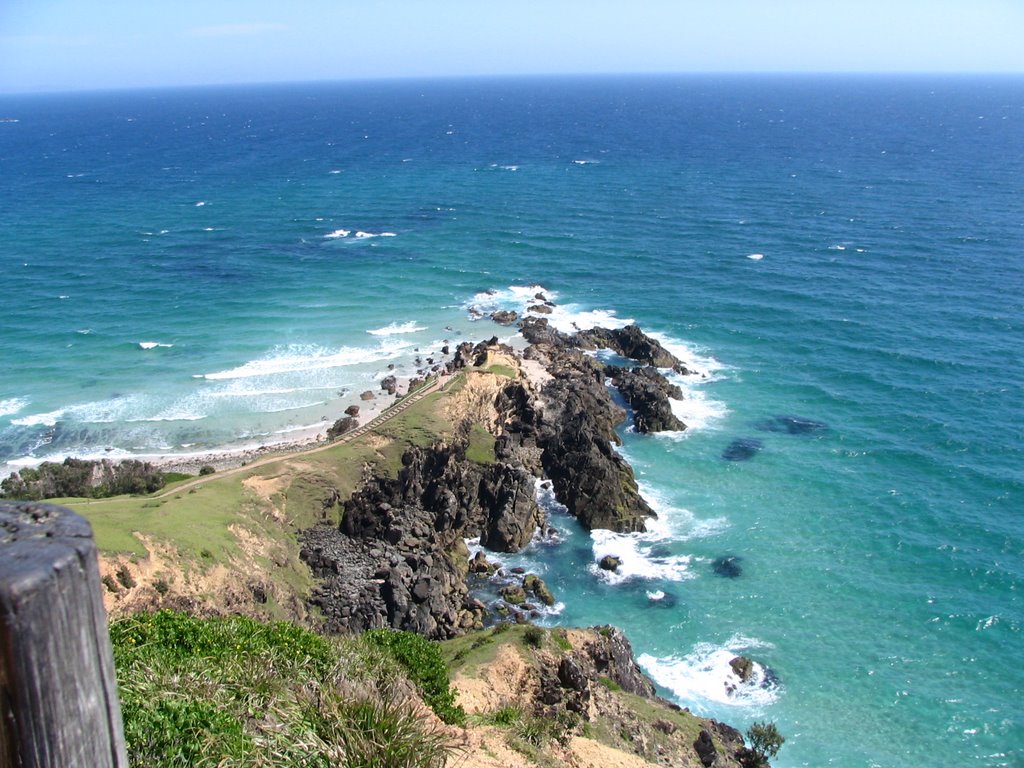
882	556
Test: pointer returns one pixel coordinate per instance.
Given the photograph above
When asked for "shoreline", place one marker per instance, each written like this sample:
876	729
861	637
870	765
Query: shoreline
233	456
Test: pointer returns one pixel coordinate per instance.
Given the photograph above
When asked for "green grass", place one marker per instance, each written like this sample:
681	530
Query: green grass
422	424
465	654
502	370
481	445
424	663
237	692
197	523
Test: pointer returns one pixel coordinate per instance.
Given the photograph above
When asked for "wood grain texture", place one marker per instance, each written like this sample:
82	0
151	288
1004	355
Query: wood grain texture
58	691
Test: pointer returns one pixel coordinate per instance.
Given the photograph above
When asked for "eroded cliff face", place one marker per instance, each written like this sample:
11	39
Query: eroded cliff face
582	690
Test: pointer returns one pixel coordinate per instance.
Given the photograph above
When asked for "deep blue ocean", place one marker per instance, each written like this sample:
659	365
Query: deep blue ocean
185	270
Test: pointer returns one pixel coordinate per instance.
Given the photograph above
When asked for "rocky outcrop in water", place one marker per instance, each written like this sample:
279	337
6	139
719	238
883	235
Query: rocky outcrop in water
647	393
575	433
630	342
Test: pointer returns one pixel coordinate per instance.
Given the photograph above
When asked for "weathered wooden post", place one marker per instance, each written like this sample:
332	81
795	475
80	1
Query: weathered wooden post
58	692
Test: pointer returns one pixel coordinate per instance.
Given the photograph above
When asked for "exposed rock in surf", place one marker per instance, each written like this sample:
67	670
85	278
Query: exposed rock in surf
504	317
727	566
742	667
541	309
389	384
742	449
630	342
513	594
609	563
481	565
535	585
648	393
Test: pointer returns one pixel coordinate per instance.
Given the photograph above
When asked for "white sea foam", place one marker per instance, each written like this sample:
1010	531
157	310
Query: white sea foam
11	405
153	345
335	171
704	676
570	318
338	233
567	318
585	162
397	328
697	411
303	358
235	391
637	560
692	358
365	235
200	204
655	595
39	419
756	256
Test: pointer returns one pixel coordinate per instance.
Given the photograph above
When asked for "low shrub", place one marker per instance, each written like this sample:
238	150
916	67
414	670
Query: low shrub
423	662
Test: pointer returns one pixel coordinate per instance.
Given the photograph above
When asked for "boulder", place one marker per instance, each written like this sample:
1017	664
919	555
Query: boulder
536	585
389	384
513	595
352	410
743	667
341	426
504	317
610	563
704	746
367	395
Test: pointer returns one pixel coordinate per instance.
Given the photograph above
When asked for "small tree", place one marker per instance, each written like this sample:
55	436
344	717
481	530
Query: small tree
765	742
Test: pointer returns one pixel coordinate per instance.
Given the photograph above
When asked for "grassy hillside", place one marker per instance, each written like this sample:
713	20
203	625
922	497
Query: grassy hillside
227	541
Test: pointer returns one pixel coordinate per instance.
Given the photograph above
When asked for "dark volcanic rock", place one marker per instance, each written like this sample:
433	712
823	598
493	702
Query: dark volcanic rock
575	433
341	426
352	410
705	749
536	586
742	449
743	667
633	343
367	395
609	563
504	317
415	526
727	566
612	656
647	393
389	384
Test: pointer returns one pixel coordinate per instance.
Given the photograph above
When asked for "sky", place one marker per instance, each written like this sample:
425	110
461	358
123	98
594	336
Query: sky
72	45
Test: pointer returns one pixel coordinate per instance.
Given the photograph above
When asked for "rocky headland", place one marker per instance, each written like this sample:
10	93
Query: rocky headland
399	557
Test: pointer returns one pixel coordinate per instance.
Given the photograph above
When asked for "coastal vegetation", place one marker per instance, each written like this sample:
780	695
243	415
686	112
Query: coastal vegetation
238	692
83	478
